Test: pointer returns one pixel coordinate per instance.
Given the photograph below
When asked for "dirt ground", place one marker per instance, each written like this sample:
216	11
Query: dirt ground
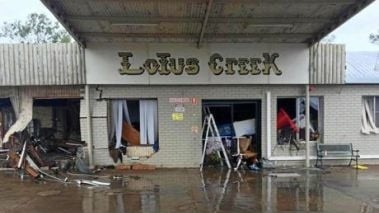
334	189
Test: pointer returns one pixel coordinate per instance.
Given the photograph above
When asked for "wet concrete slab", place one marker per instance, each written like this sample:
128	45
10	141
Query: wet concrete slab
335	189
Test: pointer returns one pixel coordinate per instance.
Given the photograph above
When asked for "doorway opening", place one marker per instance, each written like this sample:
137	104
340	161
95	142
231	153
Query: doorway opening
236	119
56	119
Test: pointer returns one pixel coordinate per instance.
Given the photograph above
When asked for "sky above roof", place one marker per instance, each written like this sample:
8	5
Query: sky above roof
354	33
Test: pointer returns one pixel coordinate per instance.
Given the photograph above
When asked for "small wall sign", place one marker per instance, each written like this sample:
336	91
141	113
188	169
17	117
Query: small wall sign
177	116
179	108
180	100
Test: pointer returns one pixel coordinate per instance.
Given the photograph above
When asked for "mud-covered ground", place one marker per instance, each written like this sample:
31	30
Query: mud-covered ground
334	189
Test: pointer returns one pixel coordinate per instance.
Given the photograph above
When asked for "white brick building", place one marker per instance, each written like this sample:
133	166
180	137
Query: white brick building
253	60
338	118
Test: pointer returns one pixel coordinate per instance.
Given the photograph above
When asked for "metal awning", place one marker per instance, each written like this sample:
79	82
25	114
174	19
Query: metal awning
203	21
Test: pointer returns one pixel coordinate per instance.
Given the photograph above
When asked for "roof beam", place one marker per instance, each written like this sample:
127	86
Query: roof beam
343	17
58	15
193	35
134	19
214	20
205	21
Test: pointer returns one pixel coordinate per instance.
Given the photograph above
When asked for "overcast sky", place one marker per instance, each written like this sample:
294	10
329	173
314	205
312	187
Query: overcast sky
354	33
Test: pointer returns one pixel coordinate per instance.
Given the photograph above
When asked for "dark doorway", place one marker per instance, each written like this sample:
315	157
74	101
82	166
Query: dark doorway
228	113
56	119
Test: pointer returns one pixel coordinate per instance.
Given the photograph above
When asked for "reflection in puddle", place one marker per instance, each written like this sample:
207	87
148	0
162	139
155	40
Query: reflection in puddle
210	191
213	190
134	194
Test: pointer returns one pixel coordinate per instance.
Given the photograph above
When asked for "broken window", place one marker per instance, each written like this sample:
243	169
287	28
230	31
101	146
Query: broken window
291	120
133	123
47	120
370	115
56	119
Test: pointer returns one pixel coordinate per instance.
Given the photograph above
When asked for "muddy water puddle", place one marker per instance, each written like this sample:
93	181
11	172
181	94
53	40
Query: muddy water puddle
188	190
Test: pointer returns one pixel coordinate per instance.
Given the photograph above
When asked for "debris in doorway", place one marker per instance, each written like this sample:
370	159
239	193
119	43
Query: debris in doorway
254	167
28	155
245	155
245	127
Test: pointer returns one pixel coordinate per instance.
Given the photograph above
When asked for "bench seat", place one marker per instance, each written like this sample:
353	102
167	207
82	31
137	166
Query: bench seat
343	151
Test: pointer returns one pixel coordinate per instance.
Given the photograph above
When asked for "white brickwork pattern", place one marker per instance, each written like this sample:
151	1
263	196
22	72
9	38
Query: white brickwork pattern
179	147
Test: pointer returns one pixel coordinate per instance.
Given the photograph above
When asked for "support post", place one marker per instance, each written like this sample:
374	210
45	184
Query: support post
268	124
89	127
307	125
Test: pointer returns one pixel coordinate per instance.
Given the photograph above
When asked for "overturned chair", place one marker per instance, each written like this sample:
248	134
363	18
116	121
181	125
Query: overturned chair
243	152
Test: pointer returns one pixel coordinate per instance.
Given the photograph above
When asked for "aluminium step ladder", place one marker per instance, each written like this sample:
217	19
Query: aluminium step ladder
209	125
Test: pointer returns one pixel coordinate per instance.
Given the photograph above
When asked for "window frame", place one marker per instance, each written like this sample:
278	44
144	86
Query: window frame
109	120
375	110
320	116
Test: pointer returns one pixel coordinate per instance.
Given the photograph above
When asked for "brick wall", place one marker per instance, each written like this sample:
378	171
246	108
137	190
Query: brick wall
342	116
180	147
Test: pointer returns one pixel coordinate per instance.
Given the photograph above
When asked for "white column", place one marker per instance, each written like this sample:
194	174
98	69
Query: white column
268	124
89	127
307	125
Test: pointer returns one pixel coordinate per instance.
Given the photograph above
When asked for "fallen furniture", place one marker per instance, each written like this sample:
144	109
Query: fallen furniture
344	151
287	130
243	152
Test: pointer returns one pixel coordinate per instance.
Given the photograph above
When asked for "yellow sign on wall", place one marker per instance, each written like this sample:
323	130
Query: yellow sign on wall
177	116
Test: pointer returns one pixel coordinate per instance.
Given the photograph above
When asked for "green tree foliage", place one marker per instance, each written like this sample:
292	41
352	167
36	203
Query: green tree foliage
328	39
37	28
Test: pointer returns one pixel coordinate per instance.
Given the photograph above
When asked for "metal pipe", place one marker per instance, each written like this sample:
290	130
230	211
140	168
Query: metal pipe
307	125
21	160
89	127
268	124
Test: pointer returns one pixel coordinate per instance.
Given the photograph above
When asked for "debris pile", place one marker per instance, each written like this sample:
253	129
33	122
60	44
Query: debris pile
33	156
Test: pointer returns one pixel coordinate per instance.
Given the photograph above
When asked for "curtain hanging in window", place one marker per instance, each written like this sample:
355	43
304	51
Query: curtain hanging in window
368	124
23	107
148	122
120	113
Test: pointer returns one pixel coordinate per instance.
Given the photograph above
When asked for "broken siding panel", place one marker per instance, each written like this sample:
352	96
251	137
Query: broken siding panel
47	92
41	64
6	92
327	64
42	92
